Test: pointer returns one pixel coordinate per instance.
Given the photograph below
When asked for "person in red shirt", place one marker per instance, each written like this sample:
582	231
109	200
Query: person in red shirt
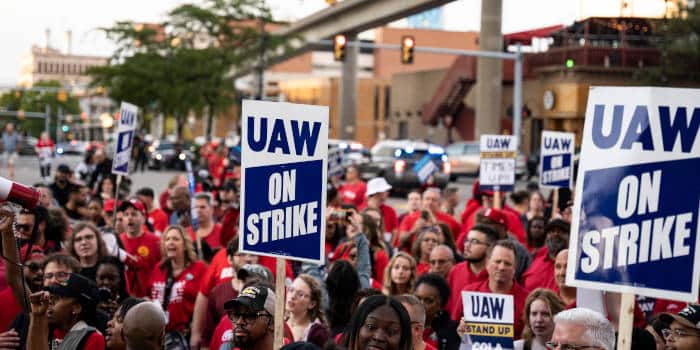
221	270
252	316
501	269
142	248
413	203
431	203
34	279
56	307
473	269
178	276
377	194
540	274
45	149
353	191
156	216
208	231
427	240
416	312
566	293
231	212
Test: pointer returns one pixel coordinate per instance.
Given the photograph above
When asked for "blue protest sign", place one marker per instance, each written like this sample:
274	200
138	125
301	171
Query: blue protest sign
635	225
489	318
283	180
497	162
124	138
556	160
425	167
335	162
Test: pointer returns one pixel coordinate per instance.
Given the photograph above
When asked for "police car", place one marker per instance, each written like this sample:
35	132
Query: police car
395	160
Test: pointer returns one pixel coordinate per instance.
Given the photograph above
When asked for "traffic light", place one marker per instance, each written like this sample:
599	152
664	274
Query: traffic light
64	128
339	43
570	63
407	45
62	96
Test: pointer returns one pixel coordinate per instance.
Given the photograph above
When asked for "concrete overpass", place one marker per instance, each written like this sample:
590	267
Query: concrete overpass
351	17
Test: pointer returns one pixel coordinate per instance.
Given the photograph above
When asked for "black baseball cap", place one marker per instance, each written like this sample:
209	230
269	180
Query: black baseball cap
688	317
78	287
249	270
257	298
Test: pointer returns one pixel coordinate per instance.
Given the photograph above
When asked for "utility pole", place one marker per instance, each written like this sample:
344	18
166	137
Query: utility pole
348	89
489	74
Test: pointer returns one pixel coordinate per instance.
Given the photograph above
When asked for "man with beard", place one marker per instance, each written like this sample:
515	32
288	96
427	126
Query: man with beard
142	248
473	269
540	274
500	264
251	314
62	185
34	279
76	205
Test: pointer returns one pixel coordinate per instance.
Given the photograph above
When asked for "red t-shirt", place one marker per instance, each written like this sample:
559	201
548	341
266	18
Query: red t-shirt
381	261
391	221
224	333
460	276
45	148
422	268
145	255
229	225
410	220
159	219
519	295
353	193
95	341
10	309
219	271
213	239
182	295
540	274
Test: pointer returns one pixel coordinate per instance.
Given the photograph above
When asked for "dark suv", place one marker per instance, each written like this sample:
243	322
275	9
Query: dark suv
396	161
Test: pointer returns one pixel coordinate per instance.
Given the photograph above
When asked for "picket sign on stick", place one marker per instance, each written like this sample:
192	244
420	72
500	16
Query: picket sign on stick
626	322
279	302
497	200
116	201
555	201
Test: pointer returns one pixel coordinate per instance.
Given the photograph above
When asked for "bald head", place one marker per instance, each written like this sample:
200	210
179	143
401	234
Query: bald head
144	327
441	260
180	198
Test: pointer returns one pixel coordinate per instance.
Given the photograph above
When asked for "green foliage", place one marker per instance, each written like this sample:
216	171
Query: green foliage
680	49
184	64
36	100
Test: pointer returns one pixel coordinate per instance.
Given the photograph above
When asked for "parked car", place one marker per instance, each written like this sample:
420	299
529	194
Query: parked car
395	161
71	147
353	151
169	155
463	158
27	146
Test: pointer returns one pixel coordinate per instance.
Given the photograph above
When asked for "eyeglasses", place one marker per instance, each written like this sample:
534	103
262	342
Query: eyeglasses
552	346
33	266
23	227
475	241
677	333
438	261
61	275
248	317
297	293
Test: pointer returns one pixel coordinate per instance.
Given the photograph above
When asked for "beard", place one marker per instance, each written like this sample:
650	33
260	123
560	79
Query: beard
476	260
244	342
555	245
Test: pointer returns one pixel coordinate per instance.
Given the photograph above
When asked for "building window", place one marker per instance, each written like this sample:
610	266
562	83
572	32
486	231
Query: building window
403	129
376	103
387	101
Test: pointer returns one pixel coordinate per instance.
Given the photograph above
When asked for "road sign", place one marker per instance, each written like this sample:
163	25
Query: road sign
489	318
283	180
635	224
125	137
556	160
497	164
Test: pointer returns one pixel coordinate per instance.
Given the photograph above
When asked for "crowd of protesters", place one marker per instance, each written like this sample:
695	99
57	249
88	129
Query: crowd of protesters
77	271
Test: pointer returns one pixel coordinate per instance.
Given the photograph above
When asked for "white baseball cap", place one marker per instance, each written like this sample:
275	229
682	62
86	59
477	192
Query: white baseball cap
377	185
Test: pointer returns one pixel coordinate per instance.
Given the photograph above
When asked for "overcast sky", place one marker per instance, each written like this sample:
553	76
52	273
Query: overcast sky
24	21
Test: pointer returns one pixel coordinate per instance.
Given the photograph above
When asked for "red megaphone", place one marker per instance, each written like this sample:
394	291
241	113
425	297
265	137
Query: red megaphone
14	192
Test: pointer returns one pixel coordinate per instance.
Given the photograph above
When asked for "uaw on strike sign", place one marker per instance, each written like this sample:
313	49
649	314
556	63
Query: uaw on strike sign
489	319
635	226
283	180
556	160
124	138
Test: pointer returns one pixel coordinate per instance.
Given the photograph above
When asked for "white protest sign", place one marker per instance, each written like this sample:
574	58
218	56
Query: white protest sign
635	220
556	159
497	164
284	167
124	138
489	318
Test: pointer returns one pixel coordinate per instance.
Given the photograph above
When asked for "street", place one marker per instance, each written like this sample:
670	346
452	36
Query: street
27	172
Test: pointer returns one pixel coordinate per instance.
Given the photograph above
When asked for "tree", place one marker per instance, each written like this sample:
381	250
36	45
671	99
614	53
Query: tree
679	42
184	64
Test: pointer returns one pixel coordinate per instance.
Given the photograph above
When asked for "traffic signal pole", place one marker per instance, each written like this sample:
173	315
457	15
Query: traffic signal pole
348	97
348	89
